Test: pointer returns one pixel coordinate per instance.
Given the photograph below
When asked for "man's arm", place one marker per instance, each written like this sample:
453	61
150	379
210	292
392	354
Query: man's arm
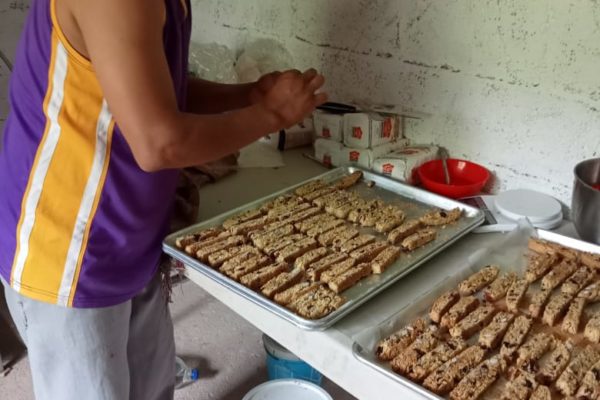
205	97
124	42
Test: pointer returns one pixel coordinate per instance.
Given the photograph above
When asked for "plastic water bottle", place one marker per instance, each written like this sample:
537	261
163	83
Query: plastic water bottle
184	375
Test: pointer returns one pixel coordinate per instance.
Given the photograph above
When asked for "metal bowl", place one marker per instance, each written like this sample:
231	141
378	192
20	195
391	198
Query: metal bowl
585	204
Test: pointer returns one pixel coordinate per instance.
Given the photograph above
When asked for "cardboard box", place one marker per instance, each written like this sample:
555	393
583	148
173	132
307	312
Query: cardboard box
366	157
329	126
329	152
369	130
402	164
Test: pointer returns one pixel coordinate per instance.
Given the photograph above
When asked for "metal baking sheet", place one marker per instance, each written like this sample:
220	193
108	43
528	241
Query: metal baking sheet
508	254
414	202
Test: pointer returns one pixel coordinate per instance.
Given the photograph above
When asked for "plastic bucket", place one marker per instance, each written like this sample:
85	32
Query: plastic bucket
282	364
287	389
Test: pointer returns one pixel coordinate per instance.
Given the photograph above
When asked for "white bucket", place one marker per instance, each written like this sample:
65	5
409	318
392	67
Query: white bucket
287	389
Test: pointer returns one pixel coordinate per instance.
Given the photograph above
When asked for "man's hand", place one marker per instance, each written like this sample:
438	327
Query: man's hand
289	97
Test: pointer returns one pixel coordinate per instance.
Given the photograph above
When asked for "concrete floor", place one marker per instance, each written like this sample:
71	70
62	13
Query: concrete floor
226	349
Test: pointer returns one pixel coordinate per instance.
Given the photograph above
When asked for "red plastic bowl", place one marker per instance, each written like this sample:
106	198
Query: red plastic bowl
466	178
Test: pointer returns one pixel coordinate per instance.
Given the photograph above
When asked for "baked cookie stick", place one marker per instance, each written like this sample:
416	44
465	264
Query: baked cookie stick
317	304
442	304
590	386
295	292
559	273
441	217
515	294
543	246
183	241
479	379
539	266
541	393
592	329
473	322
254	280
243	264
217	259
538	302
458	311
580	279
556	364
240	218
498	289
310	257
445	378
515	335
572	320
315	269
349	278
491	335
520	387
532	350
369	252
478	280
337	269
422	345
282	282
556	308
570	379
385	259
359	241
591	260
405	230
391	346
435	358
419	239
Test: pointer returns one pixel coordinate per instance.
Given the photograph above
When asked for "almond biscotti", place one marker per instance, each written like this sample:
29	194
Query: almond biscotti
479	379
538	302
591	293
515	294
183	241
348	180
556	308
317	230
232	241
243	264
442	304
359	241
580	279
538	266
240	218
337	269
349	278
391	346
571	378
592	329
418	239
591	260
309	187
458	311
408	228
532	350
541	393
315	269
572	320
515	336
441	217
343	233
310	257
281	282
520	387
435	358
369	252
556	363
543	246
559	273
295	292
317	304
384	259
473	322
217	259
421	346
260	239
254	280
590	386
498	288
252	225
446	377
295	250
491	335
478	280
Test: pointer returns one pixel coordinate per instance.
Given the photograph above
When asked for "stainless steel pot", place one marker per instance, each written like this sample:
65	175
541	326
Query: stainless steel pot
585	204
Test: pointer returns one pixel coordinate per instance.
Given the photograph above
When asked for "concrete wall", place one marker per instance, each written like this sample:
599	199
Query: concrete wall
513	85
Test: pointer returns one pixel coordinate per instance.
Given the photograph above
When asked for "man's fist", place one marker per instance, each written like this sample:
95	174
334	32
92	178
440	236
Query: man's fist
289	97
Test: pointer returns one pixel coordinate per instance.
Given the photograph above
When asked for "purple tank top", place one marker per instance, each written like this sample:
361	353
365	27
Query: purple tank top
81	224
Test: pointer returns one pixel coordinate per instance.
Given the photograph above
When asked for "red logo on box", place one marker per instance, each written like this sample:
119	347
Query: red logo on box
354	155
386	130
326	133
357	132
387	169
327	160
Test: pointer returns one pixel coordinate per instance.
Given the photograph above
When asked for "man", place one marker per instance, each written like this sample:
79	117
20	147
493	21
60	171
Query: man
102	116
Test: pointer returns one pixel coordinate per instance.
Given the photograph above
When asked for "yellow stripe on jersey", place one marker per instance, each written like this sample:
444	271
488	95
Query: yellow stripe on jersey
56	217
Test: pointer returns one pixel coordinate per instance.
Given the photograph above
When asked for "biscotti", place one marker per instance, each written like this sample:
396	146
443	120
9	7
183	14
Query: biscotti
556	308
458	311
388	348
384	259
408	228
441	217
422	345
491	335
520	387
559	273
435	358
315	269
515	294
445	378
532	350
369	252
515	335
538	302
592	329
310	257
350	277
295	250
254	280
539	266
580	279
337	269
295	292
478	280
240	218
473	322
317	304
572	320
442	304
541	393
590	386
556	363
357	242
479	379
570	379
498	288
282	282
418	239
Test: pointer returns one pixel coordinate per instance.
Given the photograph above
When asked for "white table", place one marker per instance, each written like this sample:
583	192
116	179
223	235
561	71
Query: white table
329	351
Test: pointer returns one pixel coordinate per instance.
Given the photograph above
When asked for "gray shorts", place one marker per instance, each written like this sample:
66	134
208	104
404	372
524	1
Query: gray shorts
114	353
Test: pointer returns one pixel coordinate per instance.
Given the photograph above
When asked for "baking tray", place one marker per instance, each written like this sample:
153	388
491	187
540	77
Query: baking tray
414	202
508	254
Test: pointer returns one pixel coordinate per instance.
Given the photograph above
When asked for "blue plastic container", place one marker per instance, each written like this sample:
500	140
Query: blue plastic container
282	364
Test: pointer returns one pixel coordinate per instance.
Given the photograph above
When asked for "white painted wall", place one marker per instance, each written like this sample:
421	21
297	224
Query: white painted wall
514	85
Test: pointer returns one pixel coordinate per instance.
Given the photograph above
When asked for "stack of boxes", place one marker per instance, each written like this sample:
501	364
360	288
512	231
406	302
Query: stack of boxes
372	141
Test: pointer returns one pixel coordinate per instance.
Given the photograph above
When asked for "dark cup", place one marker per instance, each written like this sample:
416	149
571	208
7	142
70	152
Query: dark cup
585	204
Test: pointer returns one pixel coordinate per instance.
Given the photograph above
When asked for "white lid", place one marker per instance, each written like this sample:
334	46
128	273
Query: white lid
287	389
521	203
